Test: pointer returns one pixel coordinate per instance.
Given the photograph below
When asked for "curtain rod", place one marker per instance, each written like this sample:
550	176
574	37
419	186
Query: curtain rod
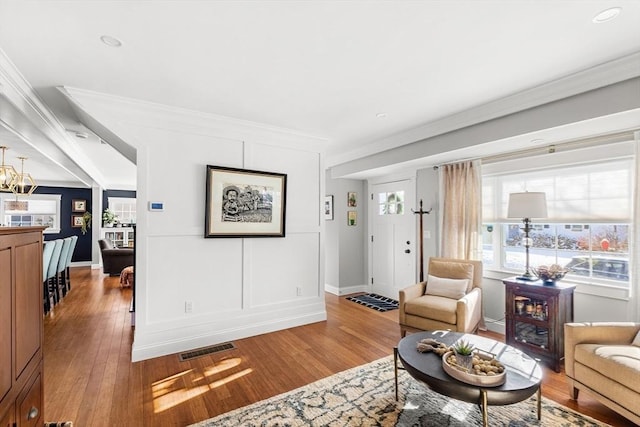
552	148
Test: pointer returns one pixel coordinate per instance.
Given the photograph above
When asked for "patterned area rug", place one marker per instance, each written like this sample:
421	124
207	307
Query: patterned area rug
375	301
364	396
62	424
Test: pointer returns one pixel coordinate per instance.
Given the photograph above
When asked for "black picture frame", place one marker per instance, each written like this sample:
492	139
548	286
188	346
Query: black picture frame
244	203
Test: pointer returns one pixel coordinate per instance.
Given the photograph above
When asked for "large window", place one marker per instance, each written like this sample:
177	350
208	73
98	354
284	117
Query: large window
588	229
37	209
124	209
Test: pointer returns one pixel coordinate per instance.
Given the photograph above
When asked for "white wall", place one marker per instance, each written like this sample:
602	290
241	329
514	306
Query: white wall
238	286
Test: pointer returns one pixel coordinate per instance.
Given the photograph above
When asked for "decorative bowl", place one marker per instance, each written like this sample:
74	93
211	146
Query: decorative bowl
550	274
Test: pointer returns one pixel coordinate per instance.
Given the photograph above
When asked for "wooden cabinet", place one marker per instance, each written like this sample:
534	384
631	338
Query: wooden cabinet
21	326
535	317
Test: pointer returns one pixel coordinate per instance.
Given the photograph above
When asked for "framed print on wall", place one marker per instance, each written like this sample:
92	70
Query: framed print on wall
352	200
78	205
328	208
352	218
76	221
244	203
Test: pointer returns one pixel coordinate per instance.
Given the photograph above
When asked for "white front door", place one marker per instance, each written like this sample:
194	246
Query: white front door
393	237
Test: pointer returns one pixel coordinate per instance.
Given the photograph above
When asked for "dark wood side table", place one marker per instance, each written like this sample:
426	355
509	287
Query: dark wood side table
535	317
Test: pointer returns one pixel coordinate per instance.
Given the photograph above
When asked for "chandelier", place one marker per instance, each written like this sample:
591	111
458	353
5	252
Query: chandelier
8	174
25	184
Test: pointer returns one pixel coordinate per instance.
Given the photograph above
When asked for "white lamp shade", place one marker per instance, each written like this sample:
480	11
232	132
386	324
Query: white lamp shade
527	205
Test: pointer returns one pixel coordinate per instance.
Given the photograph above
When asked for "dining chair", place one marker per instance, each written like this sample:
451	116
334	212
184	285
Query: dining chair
53	269
67	269
47	253
62	263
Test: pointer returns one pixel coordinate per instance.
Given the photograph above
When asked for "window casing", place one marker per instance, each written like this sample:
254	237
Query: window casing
37	209
124	208
589	224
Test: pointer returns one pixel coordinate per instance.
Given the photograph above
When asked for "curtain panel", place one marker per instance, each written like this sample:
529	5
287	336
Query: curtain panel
461	189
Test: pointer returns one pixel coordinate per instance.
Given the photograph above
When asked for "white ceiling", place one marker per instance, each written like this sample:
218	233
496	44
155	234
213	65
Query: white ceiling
326	68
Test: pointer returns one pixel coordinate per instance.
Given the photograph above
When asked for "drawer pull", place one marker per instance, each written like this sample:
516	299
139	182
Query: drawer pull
33	413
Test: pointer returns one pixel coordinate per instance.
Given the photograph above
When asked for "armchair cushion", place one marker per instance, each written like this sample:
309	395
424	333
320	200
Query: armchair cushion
433	307
449	288
452	270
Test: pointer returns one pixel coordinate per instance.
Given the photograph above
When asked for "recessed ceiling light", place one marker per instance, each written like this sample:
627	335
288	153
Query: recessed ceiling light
381	115
607	15
111	41
82	135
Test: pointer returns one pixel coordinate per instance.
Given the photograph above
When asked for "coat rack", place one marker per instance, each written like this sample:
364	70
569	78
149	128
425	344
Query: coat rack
421	213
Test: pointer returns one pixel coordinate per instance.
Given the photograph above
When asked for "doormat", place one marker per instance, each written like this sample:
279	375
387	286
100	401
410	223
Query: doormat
375	301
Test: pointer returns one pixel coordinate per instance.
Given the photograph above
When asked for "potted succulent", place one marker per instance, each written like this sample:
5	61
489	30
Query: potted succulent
464	354
108	218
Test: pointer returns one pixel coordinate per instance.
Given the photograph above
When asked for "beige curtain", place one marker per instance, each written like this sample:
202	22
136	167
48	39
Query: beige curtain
461	190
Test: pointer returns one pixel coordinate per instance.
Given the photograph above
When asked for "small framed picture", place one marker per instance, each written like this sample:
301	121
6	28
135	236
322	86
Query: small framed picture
78	205
352	218
76	221
328	208
352	199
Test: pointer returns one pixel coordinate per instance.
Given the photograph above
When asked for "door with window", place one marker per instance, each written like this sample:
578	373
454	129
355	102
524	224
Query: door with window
393	257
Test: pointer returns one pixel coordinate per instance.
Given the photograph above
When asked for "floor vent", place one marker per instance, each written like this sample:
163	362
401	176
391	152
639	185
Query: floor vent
206	350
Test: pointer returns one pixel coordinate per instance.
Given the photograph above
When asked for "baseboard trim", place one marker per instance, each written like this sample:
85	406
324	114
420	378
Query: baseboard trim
346	291
143	352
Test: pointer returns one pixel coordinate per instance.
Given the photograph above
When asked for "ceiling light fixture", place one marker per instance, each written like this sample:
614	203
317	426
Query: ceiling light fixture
381	115
8	174
606	15
110	41
25	184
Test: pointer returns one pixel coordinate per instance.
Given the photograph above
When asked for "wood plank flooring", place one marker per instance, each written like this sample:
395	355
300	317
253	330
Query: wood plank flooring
90	380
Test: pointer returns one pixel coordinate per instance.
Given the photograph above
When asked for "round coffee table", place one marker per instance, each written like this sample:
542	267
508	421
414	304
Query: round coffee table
522	380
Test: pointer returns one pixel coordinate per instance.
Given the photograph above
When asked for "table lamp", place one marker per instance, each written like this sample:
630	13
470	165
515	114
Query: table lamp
526	206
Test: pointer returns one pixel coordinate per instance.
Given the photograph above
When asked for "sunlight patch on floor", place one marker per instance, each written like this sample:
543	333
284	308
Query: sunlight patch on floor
179	388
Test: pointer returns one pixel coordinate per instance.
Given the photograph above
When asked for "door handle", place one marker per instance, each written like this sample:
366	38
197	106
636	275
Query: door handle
407	251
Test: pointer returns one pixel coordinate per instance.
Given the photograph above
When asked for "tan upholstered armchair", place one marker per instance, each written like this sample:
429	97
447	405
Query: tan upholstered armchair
603	359
450	298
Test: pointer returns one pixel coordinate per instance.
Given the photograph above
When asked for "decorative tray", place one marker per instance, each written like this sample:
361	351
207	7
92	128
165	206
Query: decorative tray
485	362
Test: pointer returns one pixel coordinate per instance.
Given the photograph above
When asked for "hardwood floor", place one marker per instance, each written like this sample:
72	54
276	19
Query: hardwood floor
90	380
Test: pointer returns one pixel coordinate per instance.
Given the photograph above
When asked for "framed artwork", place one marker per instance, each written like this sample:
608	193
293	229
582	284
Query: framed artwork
244	203
352	218
328	208
78	205
76	221
352	200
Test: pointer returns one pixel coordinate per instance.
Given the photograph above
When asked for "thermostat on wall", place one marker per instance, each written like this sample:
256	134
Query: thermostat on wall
156	206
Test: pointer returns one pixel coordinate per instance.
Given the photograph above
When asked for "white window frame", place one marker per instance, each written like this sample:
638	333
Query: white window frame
111	201
613	151
56	197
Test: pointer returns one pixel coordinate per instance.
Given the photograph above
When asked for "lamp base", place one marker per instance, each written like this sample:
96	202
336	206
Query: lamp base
527	276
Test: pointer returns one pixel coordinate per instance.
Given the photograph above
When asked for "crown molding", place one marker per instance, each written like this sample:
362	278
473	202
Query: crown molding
166	117
601	75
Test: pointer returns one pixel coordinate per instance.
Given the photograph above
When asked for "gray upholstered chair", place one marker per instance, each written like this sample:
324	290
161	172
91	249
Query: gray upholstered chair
450	298
114	259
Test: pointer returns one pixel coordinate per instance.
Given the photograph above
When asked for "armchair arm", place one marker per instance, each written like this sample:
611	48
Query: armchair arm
406	294
595	332
469	310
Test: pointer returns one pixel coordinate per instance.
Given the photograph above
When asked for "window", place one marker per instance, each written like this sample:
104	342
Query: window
37	209
391	203
588	228
124	209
